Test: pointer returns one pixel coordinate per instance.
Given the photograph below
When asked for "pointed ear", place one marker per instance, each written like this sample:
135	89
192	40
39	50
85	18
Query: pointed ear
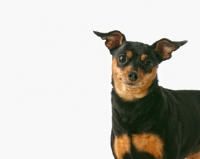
113	39
163	48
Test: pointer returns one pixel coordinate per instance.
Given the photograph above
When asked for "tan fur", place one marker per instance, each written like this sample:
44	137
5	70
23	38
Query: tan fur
149	143
122	145
129	54
127	93
143	57
195	156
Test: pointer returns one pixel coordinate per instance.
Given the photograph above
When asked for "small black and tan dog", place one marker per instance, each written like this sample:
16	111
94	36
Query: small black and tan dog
149	121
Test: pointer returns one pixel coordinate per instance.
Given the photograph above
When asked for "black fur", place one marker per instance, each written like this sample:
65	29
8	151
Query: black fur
173	116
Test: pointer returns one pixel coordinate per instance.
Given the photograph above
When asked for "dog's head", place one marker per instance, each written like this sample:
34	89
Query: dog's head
134	64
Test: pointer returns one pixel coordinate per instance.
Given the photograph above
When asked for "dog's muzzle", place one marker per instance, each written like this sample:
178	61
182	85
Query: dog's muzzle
133	76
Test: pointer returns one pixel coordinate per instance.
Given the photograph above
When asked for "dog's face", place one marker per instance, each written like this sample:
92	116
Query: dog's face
134	64
134	67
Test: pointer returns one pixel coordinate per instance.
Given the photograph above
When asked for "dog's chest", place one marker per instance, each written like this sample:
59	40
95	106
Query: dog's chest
134	127
133	117
144	143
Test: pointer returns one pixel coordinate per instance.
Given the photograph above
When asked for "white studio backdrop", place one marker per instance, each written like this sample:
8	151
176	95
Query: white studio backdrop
55	74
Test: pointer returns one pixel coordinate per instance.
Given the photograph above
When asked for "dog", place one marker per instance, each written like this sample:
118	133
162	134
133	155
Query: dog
149	121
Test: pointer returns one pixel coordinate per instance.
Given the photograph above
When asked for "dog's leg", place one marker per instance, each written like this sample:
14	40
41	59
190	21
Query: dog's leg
122	146
195	156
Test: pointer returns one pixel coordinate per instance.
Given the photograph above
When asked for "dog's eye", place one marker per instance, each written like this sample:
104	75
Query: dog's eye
122	58
148	63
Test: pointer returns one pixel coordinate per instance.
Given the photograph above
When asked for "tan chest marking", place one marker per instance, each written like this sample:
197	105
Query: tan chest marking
122	145
149	143
194	156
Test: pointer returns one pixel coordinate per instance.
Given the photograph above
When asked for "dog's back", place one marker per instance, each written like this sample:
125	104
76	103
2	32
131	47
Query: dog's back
186	104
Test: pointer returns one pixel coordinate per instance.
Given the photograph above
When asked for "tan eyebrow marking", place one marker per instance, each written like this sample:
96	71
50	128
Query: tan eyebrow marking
129	54
143	57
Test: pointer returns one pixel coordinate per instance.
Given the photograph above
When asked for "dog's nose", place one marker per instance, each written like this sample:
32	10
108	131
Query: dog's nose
133	76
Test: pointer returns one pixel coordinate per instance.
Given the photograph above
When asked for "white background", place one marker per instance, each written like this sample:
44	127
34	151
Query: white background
55	73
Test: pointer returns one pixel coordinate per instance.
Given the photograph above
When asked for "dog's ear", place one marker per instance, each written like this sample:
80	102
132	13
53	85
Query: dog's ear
164	47
113	39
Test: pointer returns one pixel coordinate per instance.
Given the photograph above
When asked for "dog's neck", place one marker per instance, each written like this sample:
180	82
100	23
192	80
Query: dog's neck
129	113
153	86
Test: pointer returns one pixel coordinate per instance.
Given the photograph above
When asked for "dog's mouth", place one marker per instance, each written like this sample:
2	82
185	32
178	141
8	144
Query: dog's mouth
130	85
